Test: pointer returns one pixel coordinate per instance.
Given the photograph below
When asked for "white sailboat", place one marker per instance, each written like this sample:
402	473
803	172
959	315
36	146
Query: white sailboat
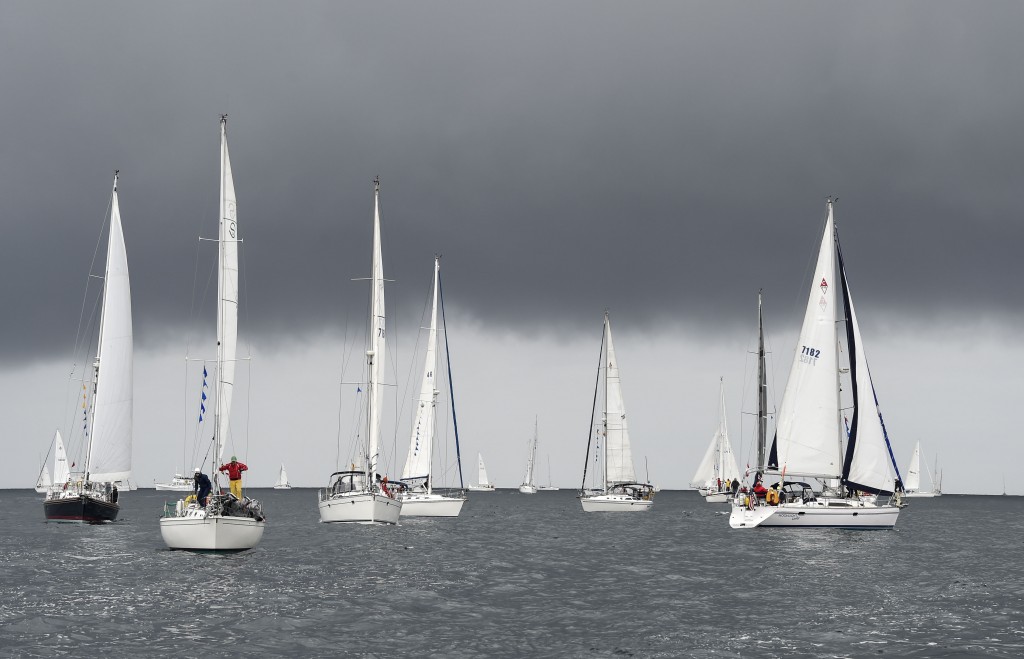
912	484
483	484
528	486
61	472
619	489
282	480
549	487
107	407
419	499
44	482
362	495
717	471
225	523
855	468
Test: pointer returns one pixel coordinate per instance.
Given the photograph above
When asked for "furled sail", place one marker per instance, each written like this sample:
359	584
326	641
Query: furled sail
227	309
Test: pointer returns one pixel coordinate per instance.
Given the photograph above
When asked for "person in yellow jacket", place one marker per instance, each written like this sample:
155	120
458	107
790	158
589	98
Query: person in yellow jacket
235	469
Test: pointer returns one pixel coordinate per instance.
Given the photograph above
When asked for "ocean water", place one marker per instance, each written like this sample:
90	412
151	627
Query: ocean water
518	576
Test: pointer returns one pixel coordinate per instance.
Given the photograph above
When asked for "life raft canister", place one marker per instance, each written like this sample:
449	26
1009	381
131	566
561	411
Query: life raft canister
772	497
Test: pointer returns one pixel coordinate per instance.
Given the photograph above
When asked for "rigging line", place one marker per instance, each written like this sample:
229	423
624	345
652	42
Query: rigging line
451	386
593	409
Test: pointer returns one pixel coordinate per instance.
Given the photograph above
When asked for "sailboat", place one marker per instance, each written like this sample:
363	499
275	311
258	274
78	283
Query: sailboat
718	469
528	486
549	487
282	480
483	484
178	483
619	489
418	496
912	485
855	466
107	404
362	495
225	523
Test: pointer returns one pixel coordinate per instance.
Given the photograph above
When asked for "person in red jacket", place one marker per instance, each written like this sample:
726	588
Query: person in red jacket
235	469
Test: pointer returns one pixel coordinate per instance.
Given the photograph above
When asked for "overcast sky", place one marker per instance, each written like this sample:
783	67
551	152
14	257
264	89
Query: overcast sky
661	160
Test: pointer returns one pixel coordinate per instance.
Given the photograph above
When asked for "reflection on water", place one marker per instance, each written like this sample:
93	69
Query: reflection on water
518	576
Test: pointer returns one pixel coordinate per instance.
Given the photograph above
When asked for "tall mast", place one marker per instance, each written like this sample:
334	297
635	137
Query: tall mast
762	390
374	355
99	342
227	297
607	331
432	365
593	410
836	292
451	385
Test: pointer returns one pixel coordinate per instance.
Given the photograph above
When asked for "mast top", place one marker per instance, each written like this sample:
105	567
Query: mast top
116	172
376	184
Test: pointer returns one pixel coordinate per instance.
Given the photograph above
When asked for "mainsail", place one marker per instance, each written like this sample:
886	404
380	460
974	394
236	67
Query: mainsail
227	286
417	463
618	455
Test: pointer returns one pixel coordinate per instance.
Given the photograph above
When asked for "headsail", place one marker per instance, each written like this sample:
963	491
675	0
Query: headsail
481	470
61	471
110	453
913	481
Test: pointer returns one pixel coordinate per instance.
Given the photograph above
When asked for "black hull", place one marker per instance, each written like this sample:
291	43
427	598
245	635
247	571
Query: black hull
80	509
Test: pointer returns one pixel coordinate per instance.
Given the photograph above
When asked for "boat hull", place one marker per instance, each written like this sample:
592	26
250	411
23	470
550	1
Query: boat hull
81	508
282	487
171	487
858	515
528	489
360	508
480	488
431	505
612	503
716	497
918	495
202	532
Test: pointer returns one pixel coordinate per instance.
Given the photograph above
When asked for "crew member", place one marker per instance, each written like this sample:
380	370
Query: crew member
235	469
201	486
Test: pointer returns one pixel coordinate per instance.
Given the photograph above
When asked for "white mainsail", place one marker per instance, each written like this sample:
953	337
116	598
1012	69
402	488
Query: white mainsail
618	455
374	354
417	463
282	478
44	482
807	440
719	462
481	470
913	479
110	451
227	305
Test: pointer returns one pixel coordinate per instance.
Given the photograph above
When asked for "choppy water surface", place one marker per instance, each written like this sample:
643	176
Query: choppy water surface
518	576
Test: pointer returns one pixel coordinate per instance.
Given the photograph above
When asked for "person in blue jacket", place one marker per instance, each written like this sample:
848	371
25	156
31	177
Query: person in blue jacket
202	486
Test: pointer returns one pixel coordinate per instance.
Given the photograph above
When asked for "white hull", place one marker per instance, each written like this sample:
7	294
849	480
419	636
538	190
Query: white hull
198	531
169	487
716	497
282	487
816	514
547	488
430	505
528	489
609	503
919	495
476	488
360	508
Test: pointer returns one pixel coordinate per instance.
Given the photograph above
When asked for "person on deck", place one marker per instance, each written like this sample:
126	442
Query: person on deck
759	489
201	486
235	469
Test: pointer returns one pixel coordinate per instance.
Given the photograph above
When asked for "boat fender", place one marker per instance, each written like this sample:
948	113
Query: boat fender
179	508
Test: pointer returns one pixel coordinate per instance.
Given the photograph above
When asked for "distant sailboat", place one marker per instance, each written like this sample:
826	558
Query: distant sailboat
106	405
718	469
483	483
912	484
528	486
178	483
619	489
225	523
549	487
362	495
811	430
419	498
282	480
